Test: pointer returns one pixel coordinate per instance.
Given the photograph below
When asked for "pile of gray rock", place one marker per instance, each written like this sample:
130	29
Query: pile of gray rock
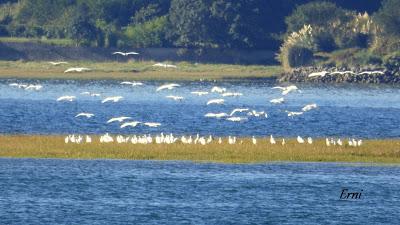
367	75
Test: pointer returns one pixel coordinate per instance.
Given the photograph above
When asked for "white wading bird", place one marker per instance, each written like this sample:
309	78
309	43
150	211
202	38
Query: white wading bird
287	90
132	83
272	140
239	110
371	72
175	98
66	98
119	119
292	114
91	94
218	89
13	85
231	94
277	101
57	63
125	53
309	107
165	65
87	115
236	119
309	140
130	124
318	74
77	69
112	99
167	86
216	115
300	140
199	93
342	72
152	124
254	140
216	101
34	87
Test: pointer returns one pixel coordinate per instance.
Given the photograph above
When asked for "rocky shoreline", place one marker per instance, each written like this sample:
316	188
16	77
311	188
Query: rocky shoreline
365	75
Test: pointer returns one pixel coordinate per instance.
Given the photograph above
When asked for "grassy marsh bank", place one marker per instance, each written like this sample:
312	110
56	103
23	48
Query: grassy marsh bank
137	70
372	151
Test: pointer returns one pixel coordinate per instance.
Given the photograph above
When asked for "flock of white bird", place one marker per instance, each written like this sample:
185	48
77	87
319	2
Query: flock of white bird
244	113
325	73
201	140
85	69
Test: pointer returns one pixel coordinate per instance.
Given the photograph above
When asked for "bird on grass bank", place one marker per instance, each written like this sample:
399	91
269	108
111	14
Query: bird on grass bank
77	70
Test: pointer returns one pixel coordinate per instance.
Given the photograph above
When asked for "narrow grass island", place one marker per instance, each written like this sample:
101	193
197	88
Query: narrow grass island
371	151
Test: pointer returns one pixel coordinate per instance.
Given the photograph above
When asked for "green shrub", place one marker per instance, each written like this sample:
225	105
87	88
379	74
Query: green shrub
151	33
392	61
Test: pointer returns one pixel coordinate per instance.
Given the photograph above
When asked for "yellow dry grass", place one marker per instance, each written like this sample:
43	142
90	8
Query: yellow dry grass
372	151
137	70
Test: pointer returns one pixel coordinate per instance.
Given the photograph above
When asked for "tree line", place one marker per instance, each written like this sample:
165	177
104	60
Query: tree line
242	24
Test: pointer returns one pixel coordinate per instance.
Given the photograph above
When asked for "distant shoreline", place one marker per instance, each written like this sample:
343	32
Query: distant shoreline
372	151
134	70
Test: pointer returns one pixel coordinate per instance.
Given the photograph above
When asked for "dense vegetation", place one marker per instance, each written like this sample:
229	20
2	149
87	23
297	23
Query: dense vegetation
305	32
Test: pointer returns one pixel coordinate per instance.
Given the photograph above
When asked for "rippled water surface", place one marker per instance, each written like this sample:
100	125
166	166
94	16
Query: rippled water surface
150	192
358	111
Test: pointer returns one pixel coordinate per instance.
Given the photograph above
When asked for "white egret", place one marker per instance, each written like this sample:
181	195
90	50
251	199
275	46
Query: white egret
236	119
300	140
87	115
272	140
239	110
231	94
218	89
119	119
165	65
342	72
112	99
327	142
134	83
66	98
287	90
58	63
125	53
309	107
277	101
149	124
167	86
77	69
130	124
88	139
309	140
254	140
216	101
216	115
293	114
199	93
34	87
175	98
318	74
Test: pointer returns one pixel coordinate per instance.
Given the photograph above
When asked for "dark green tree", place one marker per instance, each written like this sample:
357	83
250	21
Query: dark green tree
315	13
388	17
191	24
82	29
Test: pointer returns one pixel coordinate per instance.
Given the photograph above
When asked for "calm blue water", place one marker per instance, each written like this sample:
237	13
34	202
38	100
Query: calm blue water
349	111
150	192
